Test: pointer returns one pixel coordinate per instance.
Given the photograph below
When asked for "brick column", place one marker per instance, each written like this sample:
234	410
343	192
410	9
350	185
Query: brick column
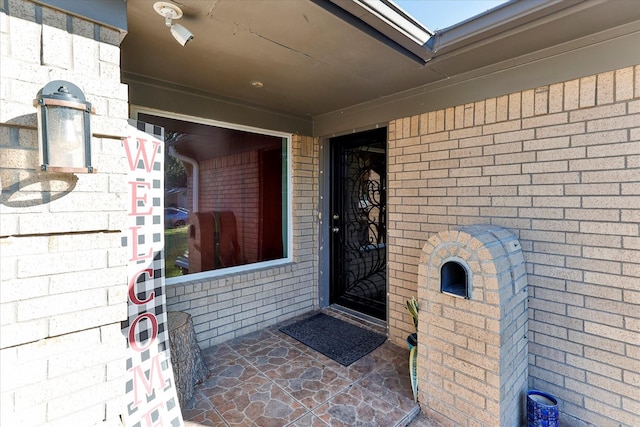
472	362
63	282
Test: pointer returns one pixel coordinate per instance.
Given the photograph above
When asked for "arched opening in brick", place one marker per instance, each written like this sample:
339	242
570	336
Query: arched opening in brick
454	279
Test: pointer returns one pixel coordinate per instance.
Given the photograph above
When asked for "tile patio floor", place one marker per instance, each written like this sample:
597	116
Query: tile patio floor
269	379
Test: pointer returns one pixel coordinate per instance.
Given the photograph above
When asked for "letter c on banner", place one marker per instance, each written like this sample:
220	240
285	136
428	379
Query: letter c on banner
132	287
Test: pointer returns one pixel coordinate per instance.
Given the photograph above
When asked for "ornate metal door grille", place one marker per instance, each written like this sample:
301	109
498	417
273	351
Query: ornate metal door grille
359	223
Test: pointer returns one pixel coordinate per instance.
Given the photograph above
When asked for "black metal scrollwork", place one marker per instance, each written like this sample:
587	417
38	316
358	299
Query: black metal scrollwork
364	225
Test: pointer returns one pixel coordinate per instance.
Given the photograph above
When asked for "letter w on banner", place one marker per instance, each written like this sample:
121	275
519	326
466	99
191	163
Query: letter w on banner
151	396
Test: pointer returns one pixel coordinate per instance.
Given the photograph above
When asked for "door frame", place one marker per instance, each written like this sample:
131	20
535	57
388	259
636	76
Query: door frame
324	221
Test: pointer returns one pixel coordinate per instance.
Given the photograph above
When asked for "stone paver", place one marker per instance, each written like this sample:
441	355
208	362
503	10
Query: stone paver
269	379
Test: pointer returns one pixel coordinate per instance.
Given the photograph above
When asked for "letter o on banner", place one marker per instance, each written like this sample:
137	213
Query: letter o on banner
134	334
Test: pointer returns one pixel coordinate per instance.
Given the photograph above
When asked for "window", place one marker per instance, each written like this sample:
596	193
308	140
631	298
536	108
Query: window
226	196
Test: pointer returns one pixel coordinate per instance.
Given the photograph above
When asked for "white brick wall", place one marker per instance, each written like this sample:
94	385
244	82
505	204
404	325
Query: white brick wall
62	268
559	167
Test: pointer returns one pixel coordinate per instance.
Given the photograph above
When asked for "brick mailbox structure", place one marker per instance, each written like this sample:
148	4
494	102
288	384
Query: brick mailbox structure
472	344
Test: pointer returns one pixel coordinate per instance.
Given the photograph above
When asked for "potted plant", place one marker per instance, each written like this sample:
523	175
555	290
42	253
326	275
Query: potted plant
412	341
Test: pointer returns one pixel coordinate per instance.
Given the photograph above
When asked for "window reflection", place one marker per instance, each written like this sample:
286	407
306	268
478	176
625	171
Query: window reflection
240	202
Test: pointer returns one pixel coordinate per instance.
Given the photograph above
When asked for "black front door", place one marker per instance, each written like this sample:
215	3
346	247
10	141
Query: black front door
358	222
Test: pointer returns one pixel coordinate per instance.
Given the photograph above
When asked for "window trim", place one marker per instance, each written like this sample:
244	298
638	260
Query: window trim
247	268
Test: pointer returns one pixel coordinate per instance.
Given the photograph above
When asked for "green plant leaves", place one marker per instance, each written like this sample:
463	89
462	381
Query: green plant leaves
413	371
412	307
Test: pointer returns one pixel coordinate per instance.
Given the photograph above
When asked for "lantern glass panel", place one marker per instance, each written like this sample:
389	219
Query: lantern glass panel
65	137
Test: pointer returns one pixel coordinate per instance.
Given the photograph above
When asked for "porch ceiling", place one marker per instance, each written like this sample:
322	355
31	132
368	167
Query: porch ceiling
314	58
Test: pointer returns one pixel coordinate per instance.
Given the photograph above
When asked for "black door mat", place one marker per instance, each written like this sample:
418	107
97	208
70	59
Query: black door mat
341	341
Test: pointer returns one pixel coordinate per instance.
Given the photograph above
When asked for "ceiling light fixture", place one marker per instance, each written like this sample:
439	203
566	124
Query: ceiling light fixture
170	12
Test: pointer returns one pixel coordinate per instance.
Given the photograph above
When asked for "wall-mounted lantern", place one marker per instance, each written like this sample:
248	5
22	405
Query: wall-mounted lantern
64	131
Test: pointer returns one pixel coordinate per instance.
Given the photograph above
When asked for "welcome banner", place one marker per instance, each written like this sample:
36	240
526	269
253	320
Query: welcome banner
151	398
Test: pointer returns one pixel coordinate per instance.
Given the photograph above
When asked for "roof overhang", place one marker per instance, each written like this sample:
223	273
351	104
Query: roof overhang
391	21
324	58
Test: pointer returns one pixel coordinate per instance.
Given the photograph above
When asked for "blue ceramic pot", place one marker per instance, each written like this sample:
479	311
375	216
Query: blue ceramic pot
542	409
412	340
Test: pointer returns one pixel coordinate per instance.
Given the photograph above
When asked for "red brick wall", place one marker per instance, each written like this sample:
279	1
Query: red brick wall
231	183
